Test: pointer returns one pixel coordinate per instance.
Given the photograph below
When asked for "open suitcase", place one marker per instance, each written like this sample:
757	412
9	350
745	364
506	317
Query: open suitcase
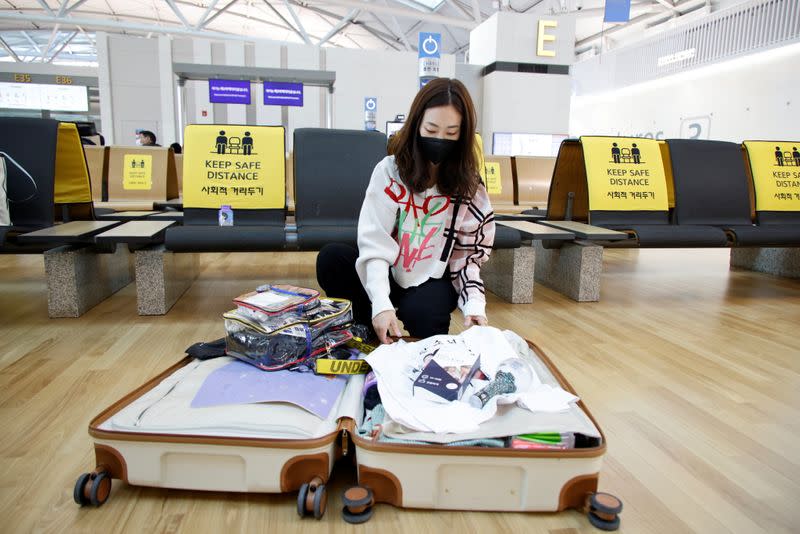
405	475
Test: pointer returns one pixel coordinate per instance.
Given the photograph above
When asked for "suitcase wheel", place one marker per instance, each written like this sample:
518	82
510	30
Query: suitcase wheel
312	499
79	493
92	488
602	524
358	503
320	501
602	510
605	503
355	519
301	500
101	488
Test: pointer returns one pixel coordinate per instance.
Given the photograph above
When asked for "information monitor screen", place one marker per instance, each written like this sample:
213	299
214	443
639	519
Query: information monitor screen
44	96
526	144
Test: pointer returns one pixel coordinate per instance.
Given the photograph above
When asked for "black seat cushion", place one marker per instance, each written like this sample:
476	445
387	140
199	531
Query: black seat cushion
778	217
662	235
710	183
767	235
241	217
315	237
225	238
332	169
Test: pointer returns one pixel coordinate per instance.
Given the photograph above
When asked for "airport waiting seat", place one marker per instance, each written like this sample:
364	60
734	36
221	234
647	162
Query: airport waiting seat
500	188
31	205
532	175
97	162
47	180
255	229
127	191
332	169
651	228
711	188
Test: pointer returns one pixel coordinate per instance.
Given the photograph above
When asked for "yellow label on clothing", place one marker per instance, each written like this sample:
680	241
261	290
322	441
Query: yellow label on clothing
775	166
240	166
624	174
137	172
494	182
342	367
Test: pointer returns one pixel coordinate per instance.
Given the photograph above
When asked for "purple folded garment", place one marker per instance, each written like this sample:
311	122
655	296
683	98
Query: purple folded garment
241	383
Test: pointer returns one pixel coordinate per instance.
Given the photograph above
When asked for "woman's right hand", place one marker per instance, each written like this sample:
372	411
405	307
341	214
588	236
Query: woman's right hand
386	321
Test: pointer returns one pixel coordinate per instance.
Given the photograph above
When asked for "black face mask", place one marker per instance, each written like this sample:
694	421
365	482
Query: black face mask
435	149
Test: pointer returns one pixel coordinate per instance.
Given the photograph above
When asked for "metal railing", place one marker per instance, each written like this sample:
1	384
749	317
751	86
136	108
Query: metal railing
741	29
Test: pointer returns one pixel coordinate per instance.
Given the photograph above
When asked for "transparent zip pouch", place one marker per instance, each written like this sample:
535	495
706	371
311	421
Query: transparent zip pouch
288	340
276	300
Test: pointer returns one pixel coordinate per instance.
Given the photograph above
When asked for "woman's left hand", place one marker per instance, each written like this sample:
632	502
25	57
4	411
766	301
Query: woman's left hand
479	320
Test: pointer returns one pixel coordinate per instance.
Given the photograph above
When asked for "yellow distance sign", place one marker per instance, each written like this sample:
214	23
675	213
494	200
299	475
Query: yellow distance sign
494	182
240	166
624	174
775	166
137	172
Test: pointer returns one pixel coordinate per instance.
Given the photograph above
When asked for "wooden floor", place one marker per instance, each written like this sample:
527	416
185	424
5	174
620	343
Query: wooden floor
692	370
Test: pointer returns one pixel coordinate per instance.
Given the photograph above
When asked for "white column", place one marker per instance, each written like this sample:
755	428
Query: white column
104	83
197	92
234	56
310	115
168	94
267	55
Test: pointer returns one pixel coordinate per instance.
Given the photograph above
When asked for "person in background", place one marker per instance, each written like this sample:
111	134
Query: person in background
425	228
176	147
147	138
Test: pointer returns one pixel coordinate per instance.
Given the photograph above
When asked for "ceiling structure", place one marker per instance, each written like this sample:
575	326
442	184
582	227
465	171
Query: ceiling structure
63	31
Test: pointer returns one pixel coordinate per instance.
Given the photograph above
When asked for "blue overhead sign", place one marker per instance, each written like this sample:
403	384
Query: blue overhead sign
283	94
430	44
229	91
617	11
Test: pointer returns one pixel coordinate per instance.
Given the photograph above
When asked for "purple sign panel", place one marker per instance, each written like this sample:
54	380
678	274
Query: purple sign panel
283	94
229	91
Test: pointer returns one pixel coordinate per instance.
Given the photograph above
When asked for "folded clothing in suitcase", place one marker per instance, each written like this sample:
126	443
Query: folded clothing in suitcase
154	437
407	467
168	407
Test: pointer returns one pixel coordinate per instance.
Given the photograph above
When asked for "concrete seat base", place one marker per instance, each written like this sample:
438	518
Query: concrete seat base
78	278
509	274
783	262
573	270
162	277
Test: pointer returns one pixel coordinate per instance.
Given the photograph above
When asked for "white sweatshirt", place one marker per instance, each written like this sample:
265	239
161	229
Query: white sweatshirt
410	235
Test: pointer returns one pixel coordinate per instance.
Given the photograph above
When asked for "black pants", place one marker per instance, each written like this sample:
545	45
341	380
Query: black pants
424	309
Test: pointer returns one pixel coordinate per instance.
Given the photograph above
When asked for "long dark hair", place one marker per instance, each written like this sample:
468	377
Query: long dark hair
458	174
